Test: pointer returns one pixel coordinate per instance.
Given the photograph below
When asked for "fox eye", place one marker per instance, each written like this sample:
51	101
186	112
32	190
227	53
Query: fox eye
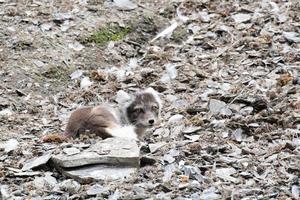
154	107
139	110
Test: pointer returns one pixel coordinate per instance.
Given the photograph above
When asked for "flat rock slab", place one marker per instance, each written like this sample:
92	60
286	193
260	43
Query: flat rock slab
36	162
88	174
112	151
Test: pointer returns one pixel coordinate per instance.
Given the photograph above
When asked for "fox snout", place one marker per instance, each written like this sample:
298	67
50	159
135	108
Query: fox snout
149	119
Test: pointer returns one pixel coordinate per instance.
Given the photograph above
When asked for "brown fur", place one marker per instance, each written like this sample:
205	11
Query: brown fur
93	119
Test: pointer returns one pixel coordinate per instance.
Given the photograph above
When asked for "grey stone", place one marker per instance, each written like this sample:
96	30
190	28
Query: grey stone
193	173
225	174
10	145
71	151
292	36
76	46
2	158
51	197
241	18
96	190
137	189
70	186
163	196
195	184
125	4
238	134
204	16
140	192
6	112
246	110
176	131
210	193
50	181
46	26
155	146
195	196
35	162
190	129
99	172
4	192
24	174
169	157
175	119
219	107
162	132
168	173
149	186
39	182
115	196
192	138
296	191
114	151
81	145
62	16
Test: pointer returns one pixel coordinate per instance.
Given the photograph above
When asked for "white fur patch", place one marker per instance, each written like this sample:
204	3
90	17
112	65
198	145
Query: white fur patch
123	132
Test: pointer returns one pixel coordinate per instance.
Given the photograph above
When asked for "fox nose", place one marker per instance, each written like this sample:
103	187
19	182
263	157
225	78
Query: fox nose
151	121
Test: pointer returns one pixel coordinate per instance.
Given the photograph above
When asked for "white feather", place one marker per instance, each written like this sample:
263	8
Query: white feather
166	32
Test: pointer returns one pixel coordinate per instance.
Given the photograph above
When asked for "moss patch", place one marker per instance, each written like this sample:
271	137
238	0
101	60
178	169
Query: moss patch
179	35
110	32
146	26
57	73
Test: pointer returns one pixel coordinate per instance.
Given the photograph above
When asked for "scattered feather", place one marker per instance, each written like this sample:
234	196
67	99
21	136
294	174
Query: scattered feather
85	83
166	32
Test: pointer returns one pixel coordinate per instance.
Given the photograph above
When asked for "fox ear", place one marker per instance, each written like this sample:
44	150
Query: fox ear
155	94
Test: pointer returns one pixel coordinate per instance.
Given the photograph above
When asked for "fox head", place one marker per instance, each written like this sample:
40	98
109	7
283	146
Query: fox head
144	109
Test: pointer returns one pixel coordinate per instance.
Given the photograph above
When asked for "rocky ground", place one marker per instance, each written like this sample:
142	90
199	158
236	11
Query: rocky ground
227	72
